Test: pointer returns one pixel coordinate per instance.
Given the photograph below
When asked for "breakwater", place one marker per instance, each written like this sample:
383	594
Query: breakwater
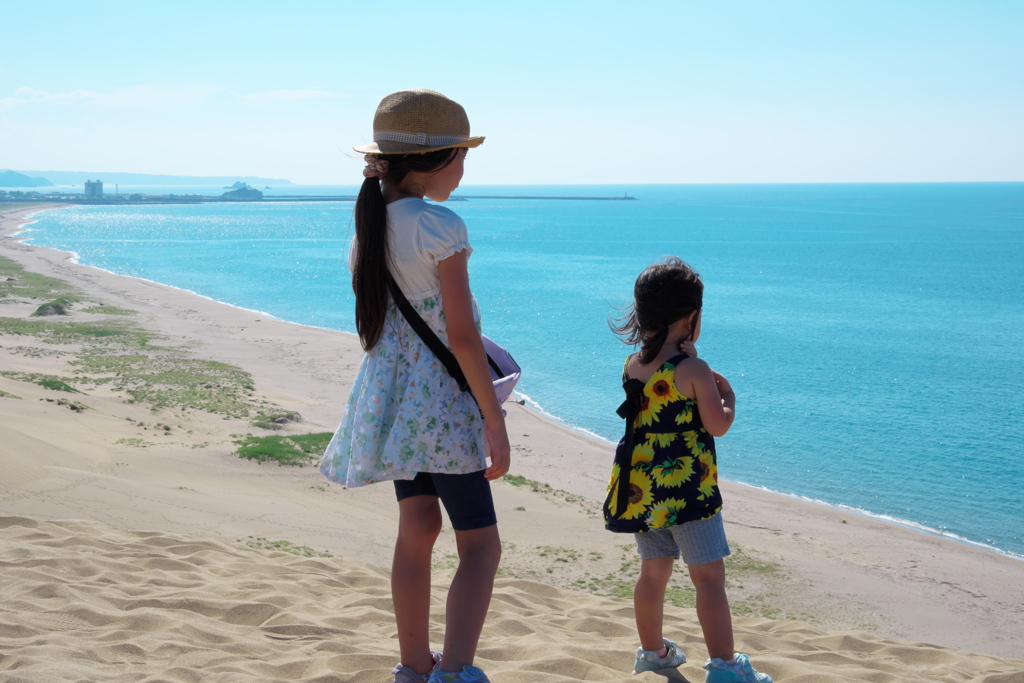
124	200
457	198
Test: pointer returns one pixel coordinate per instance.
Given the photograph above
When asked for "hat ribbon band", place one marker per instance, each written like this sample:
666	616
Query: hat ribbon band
421	139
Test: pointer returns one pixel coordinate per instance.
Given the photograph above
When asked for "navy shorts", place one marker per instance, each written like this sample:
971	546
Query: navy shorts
466	497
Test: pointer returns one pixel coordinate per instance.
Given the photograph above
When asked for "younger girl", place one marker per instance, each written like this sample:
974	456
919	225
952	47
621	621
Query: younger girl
406	419
670	500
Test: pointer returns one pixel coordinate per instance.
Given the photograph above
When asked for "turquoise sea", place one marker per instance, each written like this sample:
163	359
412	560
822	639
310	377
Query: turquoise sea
873	333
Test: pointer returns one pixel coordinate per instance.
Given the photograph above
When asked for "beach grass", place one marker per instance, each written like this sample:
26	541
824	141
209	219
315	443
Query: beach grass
59	332
261	543
124	357
59	306
51	382
296	449
15	281
109	310
275	419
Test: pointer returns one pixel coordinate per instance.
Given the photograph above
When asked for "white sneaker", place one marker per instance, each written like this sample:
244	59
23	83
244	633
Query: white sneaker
740	671
404	674
648	660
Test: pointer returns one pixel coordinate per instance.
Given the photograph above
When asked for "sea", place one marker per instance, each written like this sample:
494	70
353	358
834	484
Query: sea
873	333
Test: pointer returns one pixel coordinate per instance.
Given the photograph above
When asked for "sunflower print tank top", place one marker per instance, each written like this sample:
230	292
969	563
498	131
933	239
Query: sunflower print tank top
674	474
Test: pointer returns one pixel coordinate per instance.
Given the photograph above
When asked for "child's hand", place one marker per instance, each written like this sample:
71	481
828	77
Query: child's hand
686	346
497	439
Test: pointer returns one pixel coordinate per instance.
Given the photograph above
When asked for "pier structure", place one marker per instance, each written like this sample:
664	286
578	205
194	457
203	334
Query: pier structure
94	195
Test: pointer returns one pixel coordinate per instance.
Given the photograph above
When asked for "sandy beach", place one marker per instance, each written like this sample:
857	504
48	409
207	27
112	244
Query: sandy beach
137	546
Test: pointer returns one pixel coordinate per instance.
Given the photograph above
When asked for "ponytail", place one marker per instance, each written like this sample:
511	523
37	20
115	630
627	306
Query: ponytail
369	277
373	253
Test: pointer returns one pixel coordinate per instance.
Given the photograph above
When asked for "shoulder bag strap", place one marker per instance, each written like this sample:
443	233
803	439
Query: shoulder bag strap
433	342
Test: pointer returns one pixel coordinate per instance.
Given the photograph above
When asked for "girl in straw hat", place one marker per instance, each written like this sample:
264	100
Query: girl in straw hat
406	419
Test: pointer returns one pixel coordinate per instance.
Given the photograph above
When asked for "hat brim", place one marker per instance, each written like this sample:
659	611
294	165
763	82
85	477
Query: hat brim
390	147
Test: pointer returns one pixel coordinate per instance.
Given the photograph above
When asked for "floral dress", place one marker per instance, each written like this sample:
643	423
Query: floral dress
405	413
673	476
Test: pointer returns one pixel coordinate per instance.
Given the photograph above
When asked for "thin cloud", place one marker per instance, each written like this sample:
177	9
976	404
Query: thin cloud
282	96
28	96
137	96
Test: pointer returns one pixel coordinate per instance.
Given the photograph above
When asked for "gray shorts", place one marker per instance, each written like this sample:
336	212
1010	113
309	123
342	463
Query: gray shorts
701	541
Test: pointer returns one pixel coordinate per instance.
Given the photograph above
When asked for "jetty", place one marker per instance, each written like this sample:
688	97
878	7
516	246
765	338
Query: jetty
460	197
243	195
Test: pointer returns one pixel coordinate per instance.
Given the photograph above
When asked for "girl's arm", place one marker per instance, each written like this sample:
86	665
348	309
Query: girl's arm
465	342
715	398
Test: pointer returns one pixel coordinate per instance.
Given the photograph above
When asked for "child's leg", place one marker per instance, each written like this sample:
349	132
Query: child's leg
470	594
713	608
419	524
649	600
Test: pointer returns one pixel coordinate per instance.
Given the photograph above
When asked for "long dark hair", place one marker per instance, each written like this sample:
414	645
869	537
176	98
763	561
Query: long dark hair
373	256
663	294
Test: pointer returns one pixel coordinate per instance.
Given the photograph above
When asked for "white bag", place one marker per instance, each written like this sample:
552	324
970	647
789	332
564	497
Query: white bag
508	371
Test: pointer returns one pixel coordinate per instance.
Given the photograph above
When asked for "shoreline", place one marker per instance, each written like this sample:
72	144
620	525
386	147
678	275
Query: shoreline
531	405
895	580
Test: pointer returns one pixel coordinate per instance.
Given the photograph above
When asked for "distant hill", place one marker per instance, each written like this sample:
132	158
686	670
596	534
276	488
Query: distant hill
79	177
15	179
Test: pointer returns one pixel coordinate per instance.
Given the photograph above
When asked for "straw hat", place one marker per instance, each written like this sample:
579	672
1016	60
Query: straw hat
417	121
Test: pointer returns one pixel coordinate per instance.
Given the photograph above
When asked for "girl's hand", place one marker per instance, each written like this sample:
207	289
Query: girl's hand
686	346
497	439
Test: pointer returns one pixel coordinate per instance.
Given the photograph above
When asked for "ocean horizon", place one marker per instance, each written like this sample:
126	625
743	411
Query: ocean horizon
869	329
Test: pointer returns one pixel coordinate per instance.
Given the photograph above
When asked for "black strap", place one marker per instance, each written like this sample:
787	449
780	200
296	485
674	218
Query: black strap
430	338
629	410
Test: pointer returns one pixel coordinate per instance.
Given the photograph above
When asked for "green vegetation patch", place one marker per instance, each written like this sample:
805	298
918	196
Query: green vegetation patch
109	310
57	332
4	394
299	449
275	419
174	381
46	381
168	378
59	306
261	543
15	281
119	355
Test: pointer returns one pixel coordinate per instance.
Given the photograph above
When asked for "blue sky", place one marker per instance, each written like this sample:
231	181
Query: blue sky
566	92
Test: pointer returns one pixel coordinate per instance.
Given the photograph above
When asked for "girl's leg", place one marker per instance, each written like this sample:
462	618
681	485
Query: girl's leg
713	608
649	600
470	594
419	523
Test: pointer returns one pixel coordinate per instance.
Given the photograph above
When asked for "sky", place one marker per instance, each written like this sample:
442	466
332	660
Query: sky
688	91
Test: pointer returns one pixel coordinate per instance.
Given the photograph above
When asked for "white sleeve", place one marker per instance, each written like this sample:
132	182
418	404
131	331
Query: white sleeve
443	234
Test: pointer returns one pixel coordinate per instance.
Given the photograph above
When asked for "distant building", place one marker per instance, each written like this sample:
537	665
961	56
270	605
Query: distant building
93	188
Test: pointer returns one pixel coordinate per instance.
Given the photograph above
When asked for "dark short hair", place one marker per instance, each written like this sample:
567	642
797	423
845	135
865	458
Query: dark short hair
663	293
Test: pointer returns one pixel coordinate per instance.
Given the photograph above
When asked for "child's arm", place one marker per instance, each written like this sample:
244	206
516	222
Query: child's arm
715	398
465	342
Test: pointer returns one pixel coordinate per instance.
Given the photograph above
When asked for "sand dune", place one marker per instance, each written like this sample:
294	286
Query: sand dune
84	601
